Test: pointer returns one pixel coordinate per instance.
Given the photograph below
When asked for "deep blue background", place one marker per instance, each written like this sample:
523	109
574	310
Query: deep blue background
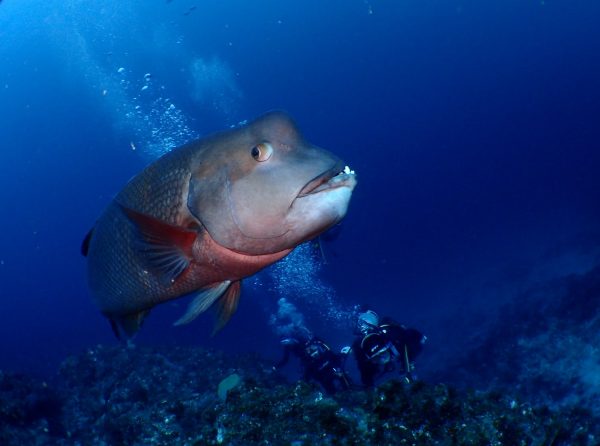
473	127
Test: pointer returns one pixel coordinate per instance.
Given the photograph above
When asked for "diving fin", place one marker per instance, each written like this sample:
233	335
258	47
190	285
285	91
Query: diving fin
202	302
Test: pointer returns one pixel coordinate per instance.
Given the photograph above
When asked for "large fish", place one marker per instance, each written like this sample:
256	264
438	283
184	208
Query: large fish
208	214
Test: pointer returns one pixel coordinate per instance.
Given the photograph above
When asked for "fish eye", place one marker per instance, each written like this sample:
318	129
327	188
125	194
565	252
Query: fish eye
262	152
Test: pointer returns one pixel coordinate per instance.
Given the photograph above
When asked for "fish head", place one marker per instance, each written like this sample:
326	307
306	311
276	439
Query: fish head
262	188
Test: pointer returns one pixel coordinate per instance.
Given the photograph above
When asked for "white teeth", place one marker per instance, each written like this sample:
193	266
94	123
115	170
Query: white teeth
347	171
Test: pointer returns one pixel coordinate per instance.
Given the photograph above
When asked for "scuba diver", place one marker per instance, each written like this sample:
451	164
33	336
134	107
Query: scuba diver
384	346
319	362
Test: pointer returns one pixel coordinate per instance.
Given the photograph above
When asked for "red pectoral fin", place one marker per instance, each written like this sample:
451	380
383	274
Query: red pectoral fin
167	249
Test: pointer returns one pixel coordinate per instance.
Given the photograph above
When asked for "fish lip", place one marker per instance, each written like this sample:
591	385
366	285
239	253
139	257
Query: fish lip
330	179
320	179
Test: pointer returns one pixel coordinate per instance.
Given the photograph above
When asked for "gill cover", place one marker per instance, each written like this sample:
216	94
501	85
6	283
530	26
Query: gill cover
262	168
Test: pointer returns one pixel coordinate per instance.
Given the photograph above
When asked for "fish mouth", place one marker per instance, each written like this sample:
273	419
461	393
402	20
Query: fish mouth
330	179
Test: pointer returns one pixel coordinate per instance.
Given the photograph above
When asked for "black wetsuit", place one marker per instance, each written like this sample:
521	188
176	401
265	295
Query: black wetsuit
404	345
319	363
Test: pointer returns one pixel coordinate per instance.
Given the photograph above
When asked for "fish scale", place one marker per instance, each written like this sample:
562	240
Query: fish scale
206	215
157	190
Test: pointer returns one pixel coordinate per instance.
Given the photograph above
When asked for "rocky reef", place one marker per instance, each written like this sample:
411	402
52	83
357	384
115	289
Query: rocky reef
190	396
544	345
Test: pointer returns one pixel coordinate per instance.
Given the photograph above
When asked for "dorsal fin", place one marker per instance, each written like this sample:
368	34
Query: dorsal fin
85	244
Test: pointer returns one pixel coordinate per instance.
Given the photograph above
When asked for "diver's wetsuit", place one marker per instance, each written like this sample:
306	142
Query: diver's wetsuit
319	363
402	345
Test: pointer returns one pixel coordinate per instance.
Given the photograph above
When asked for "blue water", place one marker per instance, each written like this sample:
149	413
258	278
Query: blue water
473	126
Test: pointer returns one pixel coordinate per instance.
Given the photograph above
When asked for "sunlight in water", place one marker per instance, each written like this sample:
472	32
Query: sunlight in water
142	105
156	124
215	86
